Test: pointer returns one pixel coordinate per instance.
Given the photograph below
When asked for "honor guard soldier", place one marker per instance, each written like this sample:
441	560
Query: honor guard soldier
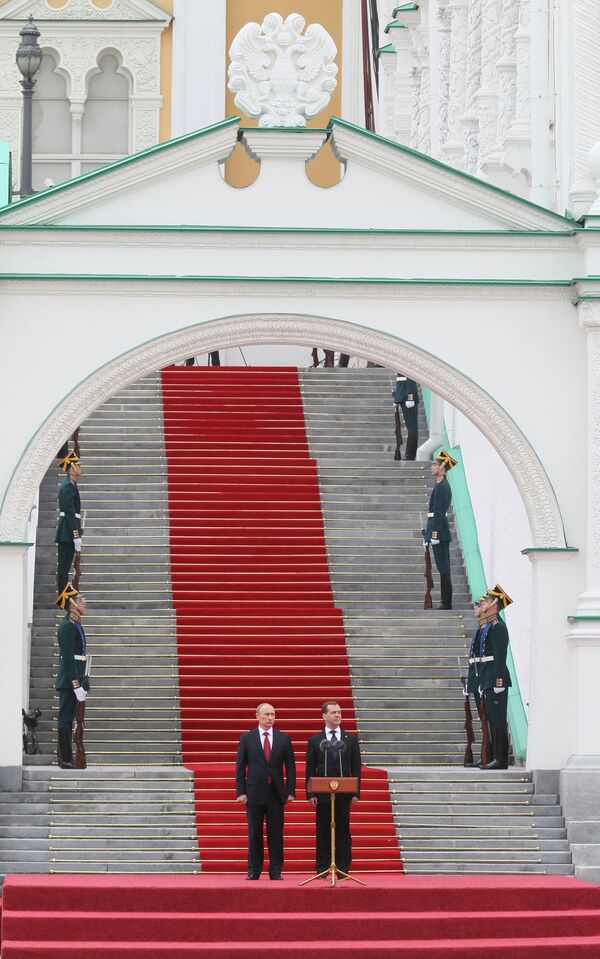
68	532
494	677
406	397
72	682
473	676
437	532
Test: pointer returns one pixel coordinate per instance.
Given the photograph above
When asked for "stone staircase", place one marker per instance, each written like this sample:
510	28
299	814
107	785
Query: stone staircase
133	711
132	810
472	821
404	659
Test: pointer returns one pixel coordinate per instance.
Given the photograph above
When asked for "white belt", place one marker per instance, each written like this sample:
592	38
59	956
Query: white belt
77	515
401	379
81	659
482	659
430	515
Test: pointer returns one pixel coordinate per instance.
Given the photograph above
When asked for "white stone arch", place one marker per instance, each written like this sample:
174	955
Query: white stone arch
467	396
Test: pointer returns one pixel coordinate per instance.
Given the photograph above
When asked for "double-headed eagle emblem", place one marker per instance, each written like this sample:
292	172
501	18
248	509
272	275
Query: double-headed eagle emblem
280	75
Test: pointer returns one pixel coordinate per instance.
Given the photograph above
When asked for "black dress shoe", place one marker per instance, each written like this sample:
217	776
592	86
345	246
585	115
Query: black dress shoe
253	875
276	877
495	764
442	606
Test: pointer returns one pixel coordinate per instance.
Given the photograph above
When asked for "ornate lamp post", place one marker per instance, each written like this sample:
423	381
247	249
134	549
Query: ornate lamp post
29	58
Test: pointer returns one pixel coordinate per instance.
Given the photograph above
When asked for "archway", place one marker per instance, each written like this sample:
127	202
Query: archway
467	396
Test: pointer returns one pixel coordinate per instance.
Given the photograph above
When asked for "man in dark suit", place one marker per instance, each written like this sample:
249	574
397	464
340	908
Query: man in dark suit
326	762
262	754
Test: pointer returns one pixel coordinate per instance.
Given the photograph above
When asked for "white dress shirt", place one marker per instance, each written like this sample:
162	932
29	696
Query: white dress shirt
261	733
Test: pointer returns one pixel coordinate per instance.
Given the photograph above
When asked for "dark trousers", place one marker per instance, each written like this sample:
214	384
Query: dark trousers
256	813
344	359
441	555
67	707
343	840
411	418
497	708
65	554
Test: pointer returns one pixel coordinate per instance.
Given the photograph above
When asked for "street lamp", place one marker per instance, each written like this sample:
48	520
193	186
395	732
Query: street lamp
29	59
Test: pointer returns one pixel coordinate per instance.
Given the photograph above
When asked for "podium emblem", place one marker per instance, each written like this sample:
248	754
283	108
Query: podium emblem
333	784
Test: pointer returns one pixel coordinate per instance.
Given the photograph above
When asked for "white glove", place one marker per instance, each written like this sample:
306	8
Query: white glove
77	543
409	404
80	693
425	544
499	689
435	542
479	690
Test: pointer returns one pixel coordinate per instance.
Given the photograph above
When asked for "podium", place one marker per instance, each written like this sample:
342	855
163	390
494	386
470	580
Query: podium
334	786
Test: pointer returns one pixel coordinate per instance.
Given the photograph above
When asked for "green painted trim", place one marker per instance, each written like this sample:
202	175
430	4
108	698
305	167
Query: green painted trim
302	230
575	619
549	549
389	48
5	174
336	121
404	7
346	280
7	542
394	24
109	167
466	525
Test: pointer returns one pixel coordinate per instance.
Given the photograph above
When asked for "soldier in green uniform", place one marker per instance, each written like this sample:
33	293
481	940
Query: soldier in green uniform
406	396
494	677
437	532
68	532
71	681
477	639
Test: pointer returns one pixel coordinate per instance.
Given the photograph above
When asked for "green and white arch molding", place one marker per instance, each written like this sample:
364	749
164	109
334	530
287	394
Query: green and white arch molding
471	399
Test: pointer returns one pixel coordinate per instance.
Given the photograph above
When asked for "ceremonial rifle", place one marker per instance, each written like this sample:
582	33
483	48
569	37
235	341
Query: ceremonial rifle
315	356
398	454
427	602
468	756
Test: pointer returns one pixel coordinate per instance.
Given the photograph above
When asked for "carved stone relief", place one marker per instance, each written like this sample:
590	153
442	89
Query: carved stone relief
280	75
470	119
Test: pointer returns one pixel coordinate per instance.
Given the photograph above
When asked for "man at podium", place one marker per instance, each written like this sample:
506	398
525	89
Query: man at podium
333	752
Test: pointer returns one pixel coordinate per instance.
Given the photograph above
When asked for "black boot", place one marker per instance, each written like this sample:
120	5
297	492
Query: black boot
65	751
446	591
498	762
412	441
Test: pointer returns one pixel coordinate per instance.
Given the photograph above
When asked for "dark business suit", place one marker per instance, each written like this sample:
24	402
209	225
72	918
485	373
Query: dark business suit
350	766
263	783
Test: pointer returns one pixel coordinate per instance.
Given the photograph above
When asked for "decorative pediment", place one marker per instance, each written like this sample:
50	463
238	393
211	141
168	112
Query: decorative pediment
84	10
385	187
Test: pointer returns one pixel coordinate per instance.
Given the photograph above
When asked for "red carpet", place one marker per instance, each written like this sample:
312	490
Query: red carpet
255	615
222	916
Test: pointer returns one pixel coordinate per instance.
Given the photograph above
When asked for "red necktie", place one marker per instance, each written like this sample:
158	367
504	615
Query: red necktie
267	746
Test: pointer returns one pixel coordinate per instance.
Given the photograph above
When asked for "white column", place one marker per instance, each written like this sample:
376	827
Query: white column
424	126
76	107
551	734
517	156
453	150
403	95
470	119
541	169
440	35
487	95
199	65
13	653
388	71
506	68
353	105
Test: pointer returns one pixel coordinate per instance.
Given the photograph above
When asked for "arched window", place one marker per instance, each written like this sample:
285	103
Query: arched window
52	125
67	143
105	129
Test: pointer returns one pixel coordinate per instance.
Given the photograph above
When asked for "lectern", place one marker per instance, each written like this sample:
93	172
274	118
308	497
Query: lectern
334	785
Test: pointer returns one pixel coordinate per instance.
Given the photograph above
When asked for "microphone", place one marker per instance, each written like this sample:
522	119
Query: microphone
341	748
325	746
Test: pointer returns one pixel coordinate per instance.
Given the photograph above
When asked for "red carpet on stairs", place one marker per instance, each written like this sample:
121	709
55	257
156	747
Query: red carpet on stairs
255	614
223	917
